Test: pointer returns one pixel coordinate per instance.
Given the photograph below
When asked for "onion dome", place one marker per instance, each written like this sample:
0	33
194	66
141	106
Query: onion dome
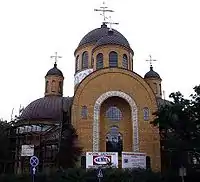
46	108
112	38
152	74
95	35
54	71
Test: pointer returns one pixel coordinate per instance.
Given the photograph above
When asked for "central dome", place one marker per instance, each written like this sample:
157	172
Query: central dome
112	38
93	36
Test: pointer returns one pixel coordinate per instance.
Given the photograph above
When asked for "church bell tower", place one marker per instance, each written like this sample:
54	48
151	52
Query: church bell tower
54	80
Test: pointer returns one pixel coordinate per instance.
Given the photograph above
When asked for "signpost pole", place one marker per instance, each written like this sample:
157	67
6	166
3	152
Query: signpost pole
182	177
33	179
100	174
34	169
182	173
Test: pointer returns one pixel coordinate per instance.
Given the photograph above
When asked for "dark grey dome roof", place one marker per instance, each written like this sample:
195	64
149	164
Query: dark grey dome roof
96	34
152	74
47	108
112	38
54	71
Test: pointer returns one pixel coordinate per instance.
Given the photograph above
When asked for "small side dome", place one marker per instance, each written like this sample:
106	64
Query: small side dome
152	74
54	71
113	38
46	108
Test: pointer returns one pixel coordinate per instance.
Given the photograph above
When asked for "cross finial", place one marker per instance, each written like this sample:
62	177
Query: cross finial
110	22
104	9
150	61
56	57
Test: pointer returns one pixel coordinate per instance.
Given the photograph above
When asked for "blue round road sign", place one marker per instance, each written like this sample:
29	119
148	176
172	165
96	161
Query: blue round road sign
34	161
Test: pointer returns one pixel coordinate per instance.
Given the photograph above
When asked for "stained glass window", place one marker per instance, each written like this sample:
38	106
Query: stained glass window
113	59
85	60
84	112
99	63
146	113
114	114
77	66
125	61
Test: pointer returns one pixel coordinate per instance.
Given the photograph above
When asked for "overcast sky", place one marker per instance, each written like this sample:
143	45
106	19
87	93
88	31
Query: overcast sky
32	30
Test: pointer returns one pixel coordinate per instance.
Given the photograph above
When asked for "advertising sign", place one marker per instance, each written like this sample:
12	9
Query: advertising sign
133	160
27	150
101	159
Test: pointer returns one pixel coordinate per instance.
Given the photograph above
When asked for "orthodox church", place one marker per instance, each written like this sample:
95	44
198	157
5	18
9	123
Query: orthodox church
112	105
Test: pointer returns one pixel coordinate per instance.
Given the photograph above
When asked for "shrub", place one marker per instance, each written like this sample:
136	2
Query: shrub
109	175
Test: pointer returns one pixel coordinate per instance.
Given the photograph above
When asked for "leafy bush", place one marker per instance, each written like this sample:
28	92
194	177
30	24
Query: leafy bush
109	175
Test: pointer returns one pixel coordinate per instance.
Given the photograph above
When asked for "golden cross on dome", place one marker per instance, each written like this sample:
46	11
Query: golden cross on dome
104	9
150	61
56	57
110	22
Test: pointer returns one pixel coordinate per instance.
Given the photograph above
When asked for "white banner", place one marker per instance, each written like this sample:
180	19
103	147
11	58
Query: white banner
27	150
133	160
101	159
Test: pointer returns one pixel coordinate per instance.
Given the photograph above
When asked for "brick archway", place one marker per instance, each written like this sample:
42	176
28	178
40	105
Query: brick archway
134	117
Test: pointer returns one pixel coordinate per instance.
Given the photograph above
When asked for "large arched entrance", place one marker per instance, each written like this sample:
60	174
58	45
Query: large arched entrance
102	131
115	125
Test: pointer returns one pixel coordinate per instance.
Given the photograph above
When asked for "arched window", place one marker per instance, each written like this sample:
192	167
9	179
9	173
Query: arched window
92	62
85	60
148	162
113	59
46	86
60	87
114	114
131	63
77	66
156	88
53	86
160	89
99	63
114	142
146	114
125	61
84	112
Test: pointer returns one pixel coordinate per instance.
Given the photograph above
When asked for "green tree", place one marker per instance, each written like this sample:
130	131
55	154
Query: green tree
178	122
5	144
69	150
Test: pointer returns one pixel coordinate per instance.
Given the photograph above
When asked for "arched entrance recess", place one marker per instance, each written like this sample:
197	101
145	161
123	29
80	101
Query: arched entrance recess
134	117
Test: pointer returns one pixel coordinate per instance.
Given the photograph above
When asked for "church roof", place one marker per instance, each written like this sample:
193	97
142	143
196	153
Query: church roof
152	74
95	35
54	71
112	38
48	108
162	102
